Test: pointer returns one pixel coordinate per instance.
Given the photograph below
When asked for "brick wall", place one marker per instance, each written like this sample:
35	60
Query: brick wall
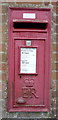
4	58
57	57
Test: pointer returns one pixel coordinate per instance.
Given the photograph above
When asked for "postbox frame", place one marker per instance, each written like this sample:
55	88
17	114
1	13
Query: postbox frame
11	106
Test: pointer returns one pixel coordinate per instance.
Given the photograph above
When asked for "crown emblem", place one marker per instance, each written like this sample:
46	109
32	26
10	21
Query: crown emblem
29	82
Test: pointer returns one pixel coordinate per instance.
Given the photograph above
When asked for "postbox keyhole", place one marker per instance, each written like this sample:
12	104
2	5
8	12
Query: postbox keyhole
20	76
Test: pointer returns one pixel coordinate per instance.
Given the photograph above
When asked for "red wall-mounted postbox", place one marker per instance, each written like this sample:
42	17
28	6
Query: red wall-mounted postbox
29	59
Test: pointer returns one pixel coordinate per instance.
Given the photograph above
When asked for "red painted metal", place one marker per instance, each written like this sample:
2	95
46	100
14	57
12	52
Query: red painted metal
27	91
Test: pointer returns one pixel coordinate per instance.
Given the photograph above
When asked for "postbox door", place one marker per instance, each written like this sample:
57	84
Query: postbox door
29	82
29	59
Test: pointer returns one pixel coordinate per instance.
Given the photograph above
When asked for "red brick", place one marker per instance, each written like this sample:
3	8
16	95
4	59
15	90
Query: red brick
54	104
56	38
0	18
0	8
57	28
0	47
0	85
54	94
53	66
53	3
4	57
46	3
0	76
0	57
53	47
57	66
57	112
0	66
0	27
54	75
57	19
56	47
4	27
53	57
57	10
4	38
4	47
4	18
0	30
4	76
3	67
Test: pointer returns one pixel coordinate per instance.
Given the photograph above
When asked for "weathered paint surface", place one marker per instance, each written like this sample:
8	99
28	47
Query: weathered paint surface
29	91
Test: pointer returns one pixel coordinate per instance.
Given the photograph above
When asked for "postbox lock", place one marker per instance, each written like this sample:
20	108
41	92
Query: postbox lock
20	100
28	42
